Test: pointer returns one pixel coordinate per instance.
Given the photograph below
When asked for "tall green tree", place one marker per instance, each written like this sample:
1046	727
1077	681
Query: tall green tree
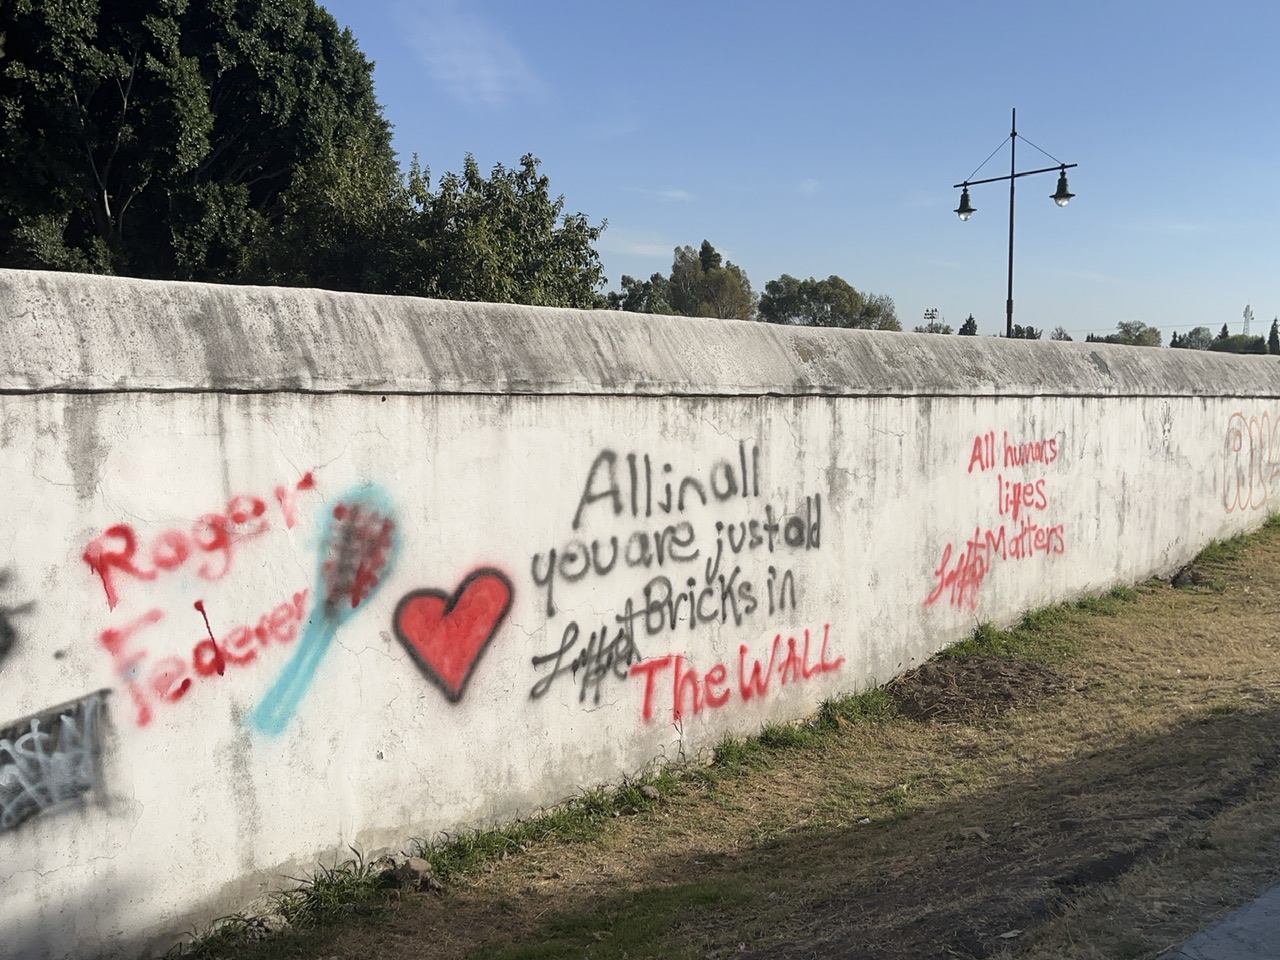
501	238
970	327
1133	333
156	137
1197	338
704	284
1239	343
1273	340
642	296
832	302
240	141
1025	333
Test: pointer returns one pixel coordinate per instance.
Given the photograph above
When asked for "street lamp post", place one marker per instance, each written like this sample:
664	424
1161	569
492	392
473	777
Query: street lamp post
1061	196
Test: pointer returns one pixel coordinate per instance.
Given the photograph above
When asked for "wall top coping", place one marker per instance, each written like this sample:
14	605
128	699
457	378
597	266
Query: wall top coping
65	332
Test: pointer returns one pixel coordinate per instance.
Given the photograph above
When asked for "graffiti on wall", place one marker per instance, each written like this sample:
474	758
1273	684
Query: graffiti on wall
446	634
8	632
692	690
688	549
358	553
120	555
136	569
1021	532
49	758
1251	461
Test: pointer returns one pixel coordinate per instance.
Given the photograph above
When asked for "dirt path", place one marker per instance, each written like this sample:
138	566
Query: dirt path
1107	804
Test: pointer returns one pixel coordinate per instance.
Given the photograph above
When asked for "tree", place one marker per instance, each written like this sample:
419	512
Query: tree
1239	343
240	141
1133	333
1136	333
703	284
1060	333
1224	332
934	326
501	239
832	302
648	296
1273	341
156	138
970	327
1025	333
1197	338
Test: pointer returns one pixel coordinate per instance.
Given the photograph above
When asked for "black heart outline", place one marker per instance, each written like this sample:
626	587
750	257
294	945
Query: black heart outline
451	601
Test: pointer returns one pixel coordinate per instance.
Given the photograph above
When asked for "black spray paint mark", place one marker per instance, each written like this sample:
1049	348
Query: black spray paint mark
8	634
49	758
596	660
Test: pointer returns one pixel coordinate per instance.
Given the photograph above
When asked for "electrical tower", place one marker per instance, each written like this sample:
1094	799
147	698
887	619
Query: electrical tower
1248	318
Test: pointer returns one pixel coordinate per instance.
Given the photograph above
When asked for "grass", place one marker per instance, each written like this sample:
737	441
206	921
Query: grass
1134	800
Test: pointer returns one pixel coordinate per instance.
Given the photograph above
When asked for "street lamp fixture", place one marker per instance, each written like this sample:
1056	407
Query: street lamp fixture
1062	196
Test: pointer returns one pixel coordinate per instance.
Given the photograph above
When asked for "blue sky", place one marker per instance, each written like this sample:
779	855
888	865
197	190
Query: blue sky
814	138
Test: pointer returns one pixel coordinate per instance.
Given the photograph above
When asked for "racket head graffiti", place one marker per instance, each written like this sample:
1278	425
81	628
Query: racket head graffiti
357	552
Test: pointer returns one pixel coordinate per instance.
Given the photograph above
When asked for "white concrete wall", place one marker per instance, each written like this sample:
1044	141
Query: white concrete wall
364	496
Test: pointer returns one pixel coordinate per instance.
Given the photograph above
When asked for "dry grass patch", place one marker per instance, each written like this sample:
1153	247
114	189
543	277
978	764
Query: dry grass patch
1120	798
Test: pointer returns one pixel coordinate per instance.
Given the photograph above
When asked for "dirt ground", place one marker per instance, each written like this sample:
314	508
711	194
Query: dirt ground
1105	805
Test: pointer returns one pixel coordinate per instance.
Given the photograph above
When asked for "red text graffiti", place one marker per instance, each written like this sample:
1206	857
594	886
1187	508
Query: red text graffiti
988	453
209	542
693	690
959	577
1251	461
170	678
1015	496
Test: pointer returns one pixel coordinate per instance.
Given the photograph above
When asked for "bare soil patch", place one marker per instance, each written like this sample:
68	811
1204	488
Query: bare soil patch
974	688
1108	805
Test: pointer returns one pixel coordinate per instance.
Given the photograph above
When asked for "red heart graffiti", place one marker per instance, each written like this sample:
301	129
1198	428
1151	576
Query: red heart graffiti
445	634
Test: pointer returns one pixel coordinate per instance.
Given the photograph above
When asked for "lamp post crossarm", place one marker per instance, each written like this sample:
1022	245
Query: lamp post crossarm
1024	173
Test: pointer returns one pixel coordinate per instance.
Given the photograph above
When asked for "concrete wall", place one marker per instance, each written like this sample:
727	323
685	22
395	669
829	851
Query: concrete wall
289	570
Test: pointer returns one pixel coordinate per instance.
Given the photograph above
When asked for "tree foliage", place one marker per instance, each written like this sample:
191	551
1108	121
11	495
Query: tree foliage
970	327
1273	340
1060	333
701	284
704	284
832	302
156	137
1197	338
1133	333
240	141
1025	333
934	326
1239	343
502	239
642	296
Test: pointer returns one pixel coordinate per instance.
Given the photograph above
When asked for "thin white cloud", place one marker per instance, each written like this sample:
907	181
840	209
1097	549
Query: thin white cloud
635	243
1169	227
1091	276
468	56
810	186
613	129
665	193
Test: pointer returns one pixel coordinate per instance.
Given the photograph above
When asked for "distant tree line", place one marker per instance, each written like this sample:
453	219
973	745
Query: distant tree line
703	284
1134	333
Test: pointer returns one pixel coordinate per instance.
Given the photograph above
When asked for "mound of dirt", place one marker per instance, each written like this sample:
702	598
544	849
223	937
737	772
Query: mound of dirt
973	688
